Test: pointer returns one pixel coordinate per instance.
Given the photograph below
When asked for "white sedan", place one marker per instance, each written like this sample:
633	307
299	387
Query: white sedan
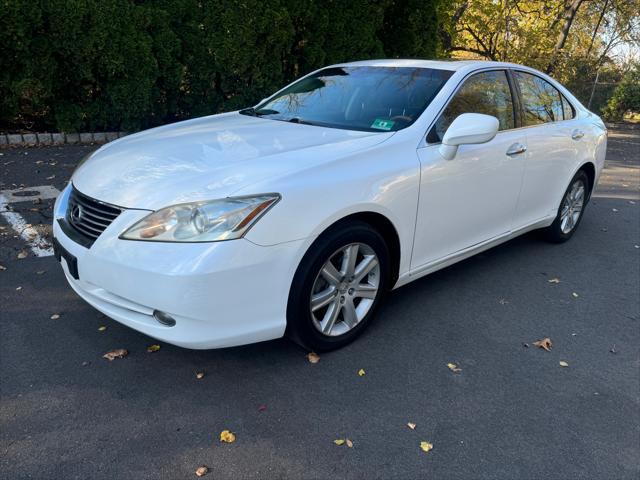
297	215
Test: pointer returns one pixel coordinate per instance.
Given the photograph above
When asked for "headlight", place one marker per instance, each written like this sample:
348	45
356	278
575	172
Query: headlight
213	221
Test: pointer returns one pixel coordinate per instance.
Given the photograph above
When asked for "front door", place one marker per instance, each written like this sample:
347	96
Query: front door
471	198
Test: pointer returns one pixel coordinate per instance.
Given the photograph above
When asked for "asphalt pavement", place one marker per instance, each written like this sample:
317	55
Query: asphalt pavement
511	412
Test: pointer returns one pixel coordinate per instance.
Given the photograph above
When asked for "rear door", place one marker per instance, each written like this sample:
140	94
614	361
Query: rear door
554	143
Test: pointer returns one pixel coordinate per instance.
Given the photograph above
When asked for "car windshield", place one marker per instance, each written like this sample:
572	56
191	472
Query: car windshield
356	98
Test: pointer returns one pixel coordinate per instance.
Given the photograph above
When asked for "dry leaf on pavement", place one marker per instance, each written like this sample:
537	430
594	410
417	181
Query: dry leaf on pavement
426	446
202	471
563	363
361	372
227	437
55	316
18	288
554	280
411	425
453	367
339	441
545	343
313	357
102	328
349	443
199	375
23	254
153	348
117	353
262	408
2	267
575	295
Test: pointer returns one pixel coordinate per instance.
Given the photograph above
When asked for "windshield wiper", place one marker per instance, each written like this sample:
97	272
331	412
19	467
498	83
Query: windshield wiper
257	113
299	120
249	111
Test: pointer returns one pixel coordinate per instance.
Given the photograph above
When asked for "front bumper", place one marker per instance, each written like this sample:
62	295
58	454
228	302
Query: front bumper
221	294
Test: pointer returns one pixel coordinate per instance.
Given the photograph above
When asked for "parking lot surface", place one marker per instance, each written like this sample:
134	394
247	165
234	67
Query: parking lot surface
512	411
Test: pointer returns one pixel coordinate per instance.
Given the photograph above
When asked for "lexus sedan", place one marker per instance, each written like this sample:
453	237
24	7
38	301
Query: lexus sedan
295	216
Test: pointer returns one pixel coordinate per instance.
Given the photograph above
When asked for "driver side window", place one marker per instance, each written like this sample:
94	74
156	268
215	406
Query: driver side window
487	93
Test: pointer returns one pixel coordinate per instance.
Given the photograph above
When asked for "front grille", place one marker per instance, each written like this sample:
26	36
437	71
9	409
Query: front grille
89	217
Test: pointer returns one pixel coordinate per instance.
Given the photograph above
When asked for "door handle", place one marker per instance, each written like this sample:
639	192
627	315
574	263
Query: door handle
516	149
577	134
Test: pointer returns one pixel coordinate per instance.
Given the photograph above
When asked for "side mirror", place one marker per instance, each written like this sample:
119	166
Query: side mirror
466	129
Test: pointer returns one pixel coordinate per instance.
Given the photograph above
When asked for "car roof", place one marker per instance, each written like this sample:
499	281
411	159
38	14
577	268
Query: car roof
452	65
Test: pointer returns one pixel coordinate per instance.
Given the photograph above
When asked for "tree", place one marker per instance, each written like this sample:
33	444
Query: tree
626	97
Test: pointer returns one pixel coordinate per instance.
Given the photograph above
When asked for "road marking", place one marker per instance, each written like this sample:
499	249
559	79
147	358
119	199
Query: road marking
38	245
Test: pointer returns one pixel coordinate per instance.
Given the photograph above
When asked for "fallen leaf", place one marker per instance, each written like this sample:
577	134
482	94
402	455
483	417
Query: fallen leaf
23	254
117	353
51	177
426	446
361	372
40	272
545	344
227	437
554	280
411	425
202	471
614	209
313	357
18	288
613	349
199	375
575	295
102	328
349	443
55	316
563	363
153	348
339	441
453	367
262	408
2	268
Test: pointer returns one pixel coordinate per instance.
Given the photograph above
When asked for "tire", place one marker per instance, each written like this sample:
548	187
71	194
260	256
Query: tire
564	226
309	320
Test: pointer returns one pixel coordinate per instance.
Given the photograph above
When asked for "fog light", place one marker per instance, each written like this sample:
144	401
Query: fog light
164	318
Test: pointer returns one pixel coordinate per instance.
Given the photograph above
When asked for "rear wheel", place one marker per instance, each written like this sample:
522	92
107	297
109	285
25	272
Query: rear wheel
571	209
337	287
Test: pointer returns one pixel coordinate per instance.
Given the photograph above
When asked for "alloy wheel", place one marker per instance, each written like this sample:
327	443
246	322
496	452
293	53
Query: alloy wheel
572	206
345	289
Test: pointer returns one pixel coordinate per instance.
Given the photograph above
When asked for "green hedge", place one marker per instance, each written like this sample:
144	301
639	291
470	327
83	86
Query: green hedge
125	65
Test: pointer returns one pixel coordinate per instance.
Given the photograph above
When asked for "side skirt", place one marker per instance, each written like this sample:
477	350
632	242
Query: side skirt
441	263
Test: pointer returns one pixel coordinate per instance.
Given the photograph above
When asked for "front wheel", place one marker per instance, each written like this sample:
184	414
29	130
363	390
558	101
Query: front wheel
337	287
571	209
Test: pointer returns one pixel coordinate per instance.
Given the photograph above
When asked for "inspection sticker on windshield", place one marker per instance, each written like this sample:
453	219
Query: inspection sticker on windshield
382	124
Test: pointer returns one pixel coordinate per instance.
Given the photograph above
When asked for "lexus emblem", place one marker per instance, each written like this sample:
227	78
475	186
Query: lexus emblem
76	213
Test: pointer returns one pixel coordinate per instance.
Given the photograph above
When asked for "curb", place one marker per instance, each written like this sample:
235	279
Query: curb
40	139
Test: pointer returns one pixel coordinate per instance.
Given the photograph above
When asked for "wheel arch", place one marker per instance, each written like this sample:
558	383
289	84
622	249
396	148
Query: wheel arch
590	169
380	223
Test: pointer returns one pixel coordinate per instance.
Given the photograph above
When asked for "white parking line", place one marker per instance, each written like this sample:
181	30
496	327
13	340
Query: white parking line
38	245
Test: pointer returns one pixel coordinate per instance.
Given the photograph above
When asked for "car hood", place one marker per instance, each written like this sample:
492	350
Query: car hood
208	158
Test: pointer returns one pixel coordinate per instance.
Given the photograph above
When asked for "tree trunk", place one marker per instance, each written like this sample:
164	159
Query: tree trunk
569	15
